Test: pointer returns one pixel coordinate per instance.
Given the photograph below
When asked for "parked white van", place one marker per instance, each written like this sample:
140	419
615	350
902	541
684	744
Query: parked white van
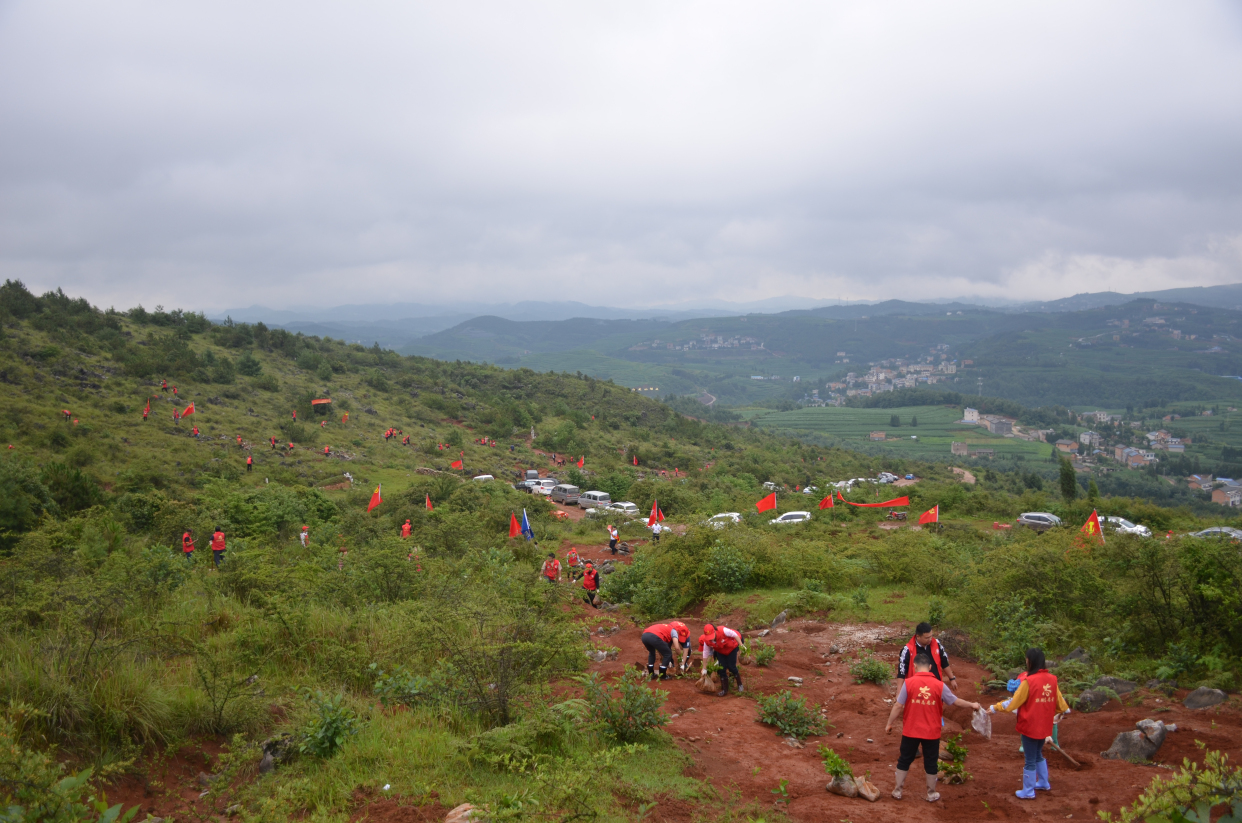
594	500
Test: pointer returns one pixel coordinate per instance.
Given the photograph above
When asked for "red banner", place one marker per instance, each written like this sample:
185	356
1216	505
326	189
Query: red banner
887	504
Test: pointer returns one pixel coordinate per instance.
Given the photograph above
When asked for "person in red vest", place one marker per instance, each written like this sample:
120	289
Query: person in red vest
722	643
921	701
273	443
552	569
572	563
590	584
304	537
668	639
187	545
164	384
295	415
924	640
406	529
217	547
1040	706
145	412
613	535
249	462
174	391
326	451
194	431
239	440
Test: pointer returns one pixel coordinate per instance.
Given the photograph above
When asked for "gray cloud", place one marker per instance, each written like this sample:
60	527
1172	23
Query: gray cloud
313	153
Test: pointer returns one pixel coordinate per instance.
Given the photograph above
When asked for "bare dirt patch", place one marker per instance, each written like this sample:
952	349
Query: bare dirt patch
728	743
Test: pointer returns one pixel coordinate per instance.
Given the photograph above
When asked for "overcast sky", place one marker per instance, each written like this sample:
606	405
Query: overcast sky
309	154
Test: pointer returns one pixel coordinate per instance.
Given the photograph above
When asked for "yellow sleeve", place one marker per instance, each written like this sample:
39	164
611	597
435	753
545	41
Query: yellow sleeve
1062	706
1019	697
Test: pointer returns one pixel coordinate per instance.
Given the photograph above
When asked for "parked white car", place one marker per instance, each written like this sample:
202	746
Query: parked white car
543	486
719	521
594	500
1122	526
625	510
483	477
810	490
770	486
792	517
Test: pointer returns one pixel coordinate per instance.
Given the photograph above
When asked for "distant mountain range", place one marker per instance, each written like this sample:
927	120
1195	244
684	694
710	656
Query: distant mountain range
404	325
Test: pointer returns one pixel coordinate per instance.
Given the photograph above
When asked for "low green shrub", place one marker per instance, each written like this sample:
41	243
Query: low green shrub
326	734
791	715
34	787
632	712
1189	794
403	688
762	652
868	669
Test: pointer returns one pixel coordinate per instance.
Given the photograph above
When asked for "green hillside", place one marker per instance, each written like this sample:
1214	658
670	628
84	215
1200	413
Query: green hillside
424	671
1116	355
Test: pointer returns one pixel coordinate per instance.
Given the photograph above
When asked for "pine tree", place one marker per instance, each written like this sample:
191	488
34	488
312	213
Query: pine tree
1069	483
1093	491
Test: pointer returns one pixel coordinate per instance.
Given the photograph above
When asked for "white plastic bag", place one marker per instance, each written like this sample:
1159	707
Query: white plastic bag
981	722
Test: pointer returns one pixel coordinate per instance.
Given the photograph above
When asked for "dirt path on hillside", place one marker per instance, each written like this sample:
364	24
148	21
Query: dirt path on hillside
964	476
731	747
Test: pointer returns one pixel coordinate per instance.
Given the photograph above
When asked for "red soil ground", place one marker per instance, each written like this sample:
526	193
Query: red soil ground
738	753
731	746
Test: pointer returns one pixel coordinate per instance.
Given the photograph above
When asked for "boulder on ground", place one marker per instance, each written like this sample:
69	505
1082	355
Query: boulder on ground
276	750
1079	654
1092	701
1116	684
1138	745
1203	698
780	619
461	814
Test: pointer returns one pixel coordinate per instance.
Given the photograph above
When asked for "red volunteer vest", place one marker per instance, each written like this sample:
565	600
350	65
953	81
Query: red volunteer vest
923	707
590	581
217	542
550	569
405	530
720	642
572	558
662	631
1035	715
934	648
187	542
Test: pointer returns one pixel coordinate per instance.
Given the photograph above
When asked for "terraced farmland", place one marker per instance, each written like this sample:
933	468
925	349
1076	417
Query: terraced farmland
937	429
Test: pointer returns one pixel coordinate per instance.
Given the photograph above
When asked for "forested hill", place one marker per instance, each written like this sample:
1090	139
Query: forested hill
60	355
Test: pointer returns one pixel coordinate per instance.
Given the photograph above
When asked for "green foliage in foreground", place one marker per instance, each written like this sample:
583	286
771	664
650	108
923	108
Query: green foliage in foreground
834	764
791	716
1190	794
869	669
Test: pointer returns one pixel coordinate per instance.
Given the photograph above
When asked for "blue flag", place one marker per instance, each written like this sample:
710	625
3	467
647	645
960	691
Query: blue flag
527	531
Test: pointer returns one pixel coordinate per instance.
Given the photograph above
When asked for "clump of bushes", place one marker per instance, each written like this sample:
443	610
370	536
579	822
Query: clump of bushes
868	669
791	715
762	653
326	734
629	713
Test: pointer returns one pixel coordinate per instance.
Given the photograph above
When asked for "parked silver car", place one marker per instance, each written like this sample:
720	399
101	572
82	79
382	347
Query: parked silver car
792	517
1039	521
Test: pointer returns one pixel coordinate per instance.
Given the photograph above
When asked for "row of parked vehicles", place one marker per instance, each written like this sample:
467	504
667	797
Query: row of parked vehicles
596	503
1043	521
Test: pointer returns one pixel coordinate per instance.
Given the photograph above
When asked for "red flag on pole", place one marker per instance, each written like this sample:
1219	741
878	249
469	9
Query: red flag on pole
841	497
1092	527
430	507
376	499
656	514
932	515
457	464
766	503
582	461
635	460
188	410
515	528
826	503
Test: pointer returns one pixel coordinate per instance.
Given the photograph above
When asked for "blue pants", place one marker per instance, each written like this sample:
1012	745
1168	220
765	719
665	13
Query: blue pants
1033	751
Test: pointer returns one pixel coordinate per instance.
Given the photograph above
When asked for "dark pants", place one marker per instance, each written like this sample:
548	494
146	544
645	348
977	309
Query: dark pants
728	665
612	544
910	747
249	467
655	537
217	557
189	556
654	644
1033	751
589	596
